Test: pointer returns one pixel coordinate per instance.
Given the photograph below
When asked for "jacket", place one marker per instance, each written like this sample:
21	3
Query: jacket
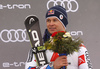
77	60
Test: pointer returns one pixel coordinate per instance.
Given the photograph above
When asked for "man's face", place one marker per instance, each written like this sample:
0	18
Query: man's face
54	25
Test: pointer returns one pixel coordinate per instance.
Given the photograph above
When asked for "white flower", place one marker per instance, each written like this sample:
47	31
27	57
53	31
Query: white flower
67	34
50	37
64	35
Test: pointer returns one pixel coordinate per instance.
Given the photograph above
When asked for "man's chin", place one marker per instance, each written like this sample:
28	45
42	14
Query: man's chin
51	32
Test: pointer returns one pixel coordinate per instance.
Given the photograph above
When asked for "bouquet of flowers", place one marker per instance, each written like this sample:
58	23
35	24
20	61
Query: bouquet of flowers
61	42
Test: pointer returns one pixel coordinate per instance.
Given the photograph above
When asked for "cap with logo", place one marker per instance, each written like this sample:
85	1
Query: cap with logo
59	12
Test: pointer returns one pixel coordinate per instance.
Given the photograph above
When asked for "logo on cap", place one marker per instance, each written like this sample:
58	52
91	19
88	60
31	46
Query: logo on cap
50	12
61	16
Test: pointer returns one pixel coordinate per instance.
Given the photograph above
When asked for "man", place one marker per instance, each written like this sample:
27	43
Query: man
56	20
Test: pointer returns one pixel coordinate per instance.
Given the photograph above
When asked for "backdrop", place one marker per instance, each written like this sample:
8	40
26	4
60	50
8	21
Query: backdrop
83	18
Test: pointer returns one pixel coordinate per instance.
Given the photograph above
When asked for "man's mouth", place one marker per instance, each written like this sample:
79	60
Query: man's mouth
52	28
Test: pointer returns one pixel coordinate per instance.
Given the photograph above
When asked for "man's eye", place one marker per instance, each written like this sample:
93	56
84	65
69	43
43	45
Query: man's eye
55	20
48	20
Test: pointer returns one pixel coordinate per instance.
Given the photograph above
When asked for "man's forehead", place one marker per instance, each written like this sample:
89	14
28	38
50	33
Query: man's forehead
52	18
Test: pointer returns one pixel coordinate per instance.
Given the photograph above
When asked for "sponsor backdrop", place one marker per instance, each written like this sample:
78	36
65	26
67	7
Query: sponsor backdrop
83	17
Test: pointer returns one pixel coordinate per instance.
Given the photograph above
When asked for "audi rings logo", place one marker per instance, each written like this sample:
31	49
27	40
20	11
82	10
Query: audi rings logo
68	4
13	35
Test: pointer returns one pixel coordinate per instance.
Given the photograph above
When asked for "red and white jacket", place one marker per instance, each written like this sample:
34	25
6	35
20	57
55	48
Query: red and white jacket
77	60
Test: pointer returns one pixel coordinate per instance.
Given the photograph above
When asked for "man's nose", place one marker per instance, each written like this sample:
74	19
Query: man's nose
51	23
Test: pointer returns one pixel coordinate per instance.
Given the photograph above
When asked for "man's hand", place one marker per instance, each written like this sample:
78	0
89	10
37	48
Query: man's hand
60	62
